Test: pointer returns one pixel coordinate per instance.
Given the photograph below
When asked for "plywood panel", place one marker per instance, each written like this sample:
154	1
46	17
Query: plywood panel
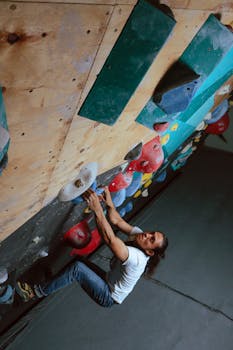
92	2
213	5
43	73
46	73
106	144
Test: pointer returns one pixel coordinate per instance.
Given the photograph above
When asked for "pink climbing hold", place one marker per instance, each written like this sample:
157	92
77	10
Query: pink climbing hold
151	158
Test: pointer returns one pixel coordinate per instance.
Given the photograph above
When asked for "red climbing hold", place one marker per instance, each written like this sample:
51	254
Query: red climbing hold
121	181
219	126
91	246
151	158
82	239
161	127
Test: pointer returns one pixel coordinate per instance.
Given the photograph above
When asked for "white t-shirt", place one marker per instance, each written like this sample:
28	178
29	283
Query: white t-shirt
124	275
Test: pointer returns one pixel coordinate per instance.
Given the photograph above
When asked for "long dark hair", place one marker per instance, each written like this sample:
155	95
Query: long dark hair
159	253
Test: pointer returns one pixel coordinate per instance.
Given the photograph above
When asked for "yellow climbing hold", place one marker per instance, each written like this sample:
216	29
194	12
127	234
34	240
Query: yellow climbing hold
146	177
174	127
137	194
148	183
165	139
87	210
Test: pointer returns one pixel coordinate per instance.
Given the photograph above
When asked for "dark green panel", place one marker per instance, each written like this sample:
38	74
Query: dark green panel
144	34
3	124
3	121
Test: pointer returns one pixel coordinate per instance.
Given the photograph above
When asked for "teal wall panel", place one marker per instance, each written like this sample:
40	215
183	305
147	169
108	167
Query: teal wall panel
151	114
209	46
176	137
3	121
4	143
145	32
210	54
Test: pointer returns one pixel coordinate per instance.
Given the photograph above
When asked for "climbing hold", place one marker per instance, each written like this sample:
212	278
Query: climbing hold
6	294
89	247
146	177
147	184
176	89
43	253
174	127
37	239
219	126
137	194
122	212
187	147
77	200
79	235
126	209
151	158
87	210
161	177
135	184
145	193
182	157
80	184
161	127
134	153
3	275
201	126
208	116
94	187
121	181
118	197
129	207
165	139
218	112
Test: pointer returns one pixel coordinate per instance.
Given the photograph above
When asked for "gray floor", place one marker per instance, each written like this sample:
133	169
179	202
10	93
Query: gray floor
187	305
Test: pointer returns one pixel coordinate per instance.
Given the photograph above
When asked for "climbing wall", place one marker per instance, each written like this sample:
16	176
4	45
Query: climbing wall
50	56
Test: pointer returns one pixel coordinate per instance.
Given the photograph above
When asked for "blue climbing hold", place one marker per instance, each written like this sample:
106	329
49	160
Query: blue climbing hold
161	177
118	197
135	184
128	207
176	88
218	112
7	295
122	212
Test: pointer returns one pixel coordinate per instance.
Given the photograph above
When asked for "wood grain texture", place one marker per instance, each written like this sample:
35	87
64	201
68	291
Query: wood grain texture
43	73
106	144
92	2
47	73
223	93
210	5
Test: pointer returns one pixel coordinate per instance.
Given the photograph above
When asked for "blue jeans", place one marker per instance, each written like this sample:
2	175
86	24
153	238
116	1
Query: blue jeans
94	285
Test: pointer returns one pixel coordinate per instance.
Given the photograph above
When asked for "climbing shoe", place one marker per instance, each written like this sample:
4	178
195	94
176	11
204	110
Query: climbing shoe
25	291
